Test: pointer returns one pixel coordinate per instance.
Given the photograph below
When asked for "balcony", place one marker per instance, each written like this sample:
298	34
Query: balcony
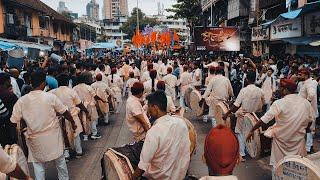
268	3
16	32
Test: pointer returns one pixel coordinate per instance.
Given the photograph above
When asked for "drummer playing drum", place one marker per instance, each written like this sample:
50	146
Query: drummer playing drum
219	89
293	115
250	99
164	154
137	119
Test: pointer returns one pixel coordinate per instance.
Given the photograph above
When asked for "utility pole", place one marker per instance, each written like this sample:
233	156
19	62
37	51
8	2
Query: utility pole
137	15
211	12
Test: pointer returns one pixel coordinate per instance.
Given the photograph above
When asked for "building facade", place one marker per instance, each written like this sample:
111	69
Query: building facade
178	25
112	27
267	27
115	8
93	10
34	21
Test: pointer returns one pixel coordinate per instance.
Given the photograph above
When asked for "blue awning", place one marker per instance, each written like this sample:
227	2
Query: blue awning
105	45
291	14
5	46
302	40
26	44
294	13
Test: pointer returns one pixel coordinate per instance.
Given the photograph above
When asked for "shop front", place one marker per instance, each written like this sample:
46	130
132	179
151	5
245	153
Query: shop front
260	38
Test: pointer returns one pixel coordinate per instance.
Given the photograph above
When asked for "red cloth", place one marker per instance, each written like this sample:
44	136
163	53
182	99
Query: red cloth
153	74
289	84
221	150
99	77
137	88
161	85
113	70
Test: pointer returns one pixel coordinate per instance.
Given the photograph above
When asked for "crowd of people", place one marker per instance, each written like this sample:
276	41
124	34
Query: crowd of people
57	105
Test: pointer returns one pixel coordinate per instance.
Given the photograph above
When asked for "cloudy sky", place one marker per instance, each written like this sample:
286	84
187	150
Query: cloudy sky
148	6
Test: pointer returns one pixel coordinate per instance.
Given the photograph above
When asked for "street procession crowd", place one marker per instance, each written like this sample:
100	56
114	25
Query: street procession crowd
49	108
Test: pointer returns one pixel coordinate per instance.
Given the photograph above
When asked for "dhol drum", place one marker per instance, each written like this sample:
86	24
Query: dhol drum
187	96
15	58
195	98
221	109
259	144
192	135
119	163
297	167
16	153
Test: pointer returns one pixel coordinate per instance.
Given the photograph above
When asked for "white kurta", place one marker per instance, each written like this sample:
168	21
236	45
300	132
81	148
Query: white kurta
250	99
218	89
165	154
184	81
308	91
292	114
171	83
134	108
102	90
43	136
70	98
268	87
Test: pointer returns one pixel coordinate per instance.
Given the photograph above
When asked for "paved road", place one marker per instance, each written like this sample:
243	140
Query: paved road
117	134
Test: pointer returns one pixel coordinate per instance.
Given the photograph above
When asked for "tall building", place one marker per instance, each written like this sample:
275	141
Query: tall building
114	8
93	10
62	7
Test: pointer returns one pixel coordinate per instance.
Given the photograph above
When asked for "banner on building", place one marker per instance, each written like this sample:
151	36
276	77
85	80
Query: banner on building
312	23
259	34
216	39
286	29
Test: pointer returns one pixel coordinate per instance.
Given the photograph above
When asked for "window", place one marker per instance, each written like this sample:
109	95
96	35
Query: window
10	19
43	22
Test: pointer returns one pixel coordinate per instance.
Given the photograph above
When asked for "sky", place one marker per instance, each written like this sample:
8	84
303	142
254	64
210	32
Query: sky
149	7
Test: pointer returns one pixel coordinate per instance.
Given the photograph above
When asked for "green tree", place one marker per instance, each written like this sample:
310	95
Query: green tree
131	25
190	10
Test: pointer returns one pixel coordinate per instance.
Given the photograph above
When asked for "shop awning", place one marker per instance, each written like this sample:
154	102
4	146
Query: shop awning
308	7
5	46
26	44
106	45
302	40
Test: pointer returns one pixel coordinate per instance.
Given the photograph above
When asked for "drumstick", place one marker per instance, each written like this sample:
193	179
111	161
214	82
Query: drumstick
65	133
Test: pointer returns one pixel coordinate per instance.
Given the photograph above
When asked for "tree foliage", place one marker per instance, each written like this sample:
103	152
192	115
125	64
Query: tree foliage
187	9
131	25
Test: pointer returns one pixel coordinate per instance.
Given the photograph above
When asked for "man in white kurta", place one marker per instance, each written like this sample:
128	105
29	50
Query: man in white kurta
268	86
219	89
43	135
70	98
184	81
102	90
88	98
293	115
136	118
308	91
165	153
171	83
